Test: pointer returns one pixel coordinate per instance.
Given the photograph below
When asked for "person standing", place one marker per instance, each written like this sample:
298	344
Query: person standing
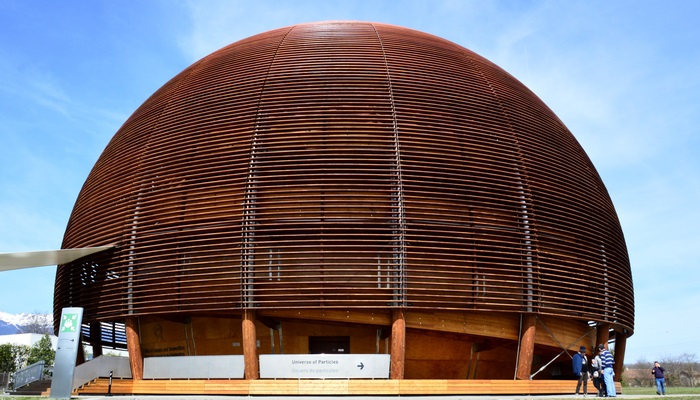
597	376
607	361
580	366
658	372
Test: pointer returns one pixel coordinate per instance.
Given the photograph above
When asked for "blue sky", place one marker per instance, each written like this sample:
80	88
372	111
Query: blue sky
622	75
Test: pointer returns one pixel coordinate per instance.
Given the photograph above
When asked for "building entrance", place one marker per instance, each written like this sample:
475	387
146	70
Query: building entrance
329	344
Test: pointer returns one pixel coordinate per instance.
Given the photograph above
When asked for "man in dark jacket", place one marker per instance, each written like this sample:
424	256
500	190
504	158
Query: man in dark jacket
579	363
658	372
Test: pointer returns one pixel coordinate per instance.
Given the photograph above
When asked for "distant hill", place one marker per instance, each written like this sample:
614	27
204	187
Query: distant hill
11	324
8	329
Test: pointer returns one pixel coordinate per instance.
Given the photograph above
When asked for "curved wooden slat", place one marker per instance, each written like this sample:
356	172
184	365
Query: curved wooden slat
346	165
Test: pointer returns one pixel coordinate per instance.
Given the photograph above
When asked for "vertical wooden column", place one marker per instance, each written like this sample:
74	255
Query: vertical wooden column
602	335
96	339
620	347
250	345
527	346
133	344
80	357
398	344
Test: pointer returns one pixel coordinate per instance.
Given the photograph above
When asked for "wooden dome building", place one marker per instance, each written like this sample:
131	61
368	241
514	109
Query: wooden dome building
350	187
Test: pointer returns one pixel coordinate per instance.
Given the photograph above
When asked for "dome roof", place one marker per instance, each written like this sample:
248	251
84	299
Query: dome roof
340	165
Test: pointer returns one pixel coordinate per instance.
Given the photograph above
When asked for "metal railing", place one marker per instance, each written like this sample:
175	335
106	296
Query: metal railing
101	367
4	380
28	374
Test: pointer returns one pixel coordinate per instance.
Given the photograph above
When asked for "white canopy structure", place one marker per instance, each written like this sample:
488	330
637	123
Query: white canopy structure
31	259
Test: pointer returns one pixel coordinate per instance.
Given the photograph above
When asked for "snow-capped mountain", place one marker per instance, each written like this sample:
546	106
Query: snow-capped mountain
22	323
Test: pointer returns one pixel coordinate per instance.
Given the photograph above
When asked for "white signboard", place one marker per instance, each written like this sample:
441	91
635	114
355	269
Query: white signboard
193	367
324	366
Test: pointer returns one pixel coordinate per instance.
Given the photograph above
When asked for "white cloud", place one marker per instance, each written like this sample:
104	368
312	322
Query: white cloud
35	86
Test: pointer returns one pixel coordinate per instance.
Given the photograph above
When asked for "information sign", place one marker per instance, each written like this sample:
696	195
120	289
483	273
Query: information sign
324	366
66	352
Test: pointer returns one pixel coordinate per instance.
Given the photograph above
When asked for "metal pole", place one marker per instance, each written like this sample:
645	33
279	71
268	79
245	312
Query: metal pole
109	388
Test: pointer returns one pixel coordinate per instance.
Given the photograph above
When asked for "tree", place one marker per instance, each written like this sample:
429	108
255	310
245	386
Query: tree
690	374
13	357
681	370
7	358
42	351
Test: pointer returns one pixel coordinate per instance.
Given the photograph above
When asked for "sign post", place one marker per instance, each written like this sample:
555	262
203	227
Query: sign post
67	352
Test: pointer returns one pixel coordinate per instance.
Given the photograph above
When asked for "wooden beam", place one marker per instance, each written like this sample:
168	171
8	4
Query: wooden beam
475	323
373	317
96	339
527	346
602	335
494	325
398	344
250	346
80	356
620	347
133	344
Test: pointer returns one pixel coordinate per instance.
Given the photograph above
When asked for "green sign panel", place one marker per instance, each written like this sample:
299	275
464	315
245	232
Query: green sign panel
69	323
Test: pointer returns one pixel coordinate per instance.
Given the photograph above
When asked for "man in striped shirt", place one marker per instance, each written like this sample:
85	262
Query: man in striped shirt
607	361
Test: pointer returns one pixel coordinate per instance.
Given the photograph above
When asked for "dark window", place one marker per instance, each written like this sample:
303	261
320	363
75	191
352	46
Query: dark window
329	344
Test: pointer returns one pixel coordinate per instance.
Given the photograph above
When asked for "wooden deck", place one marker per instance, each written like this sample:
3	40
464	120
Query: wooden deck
293	387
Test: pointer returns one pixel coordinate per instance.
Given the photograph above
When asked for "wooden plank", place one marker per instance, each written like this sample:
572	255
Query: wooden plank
375	387
325	387
497	325
312	387
374	317
277	387
423	386
476	386
225	386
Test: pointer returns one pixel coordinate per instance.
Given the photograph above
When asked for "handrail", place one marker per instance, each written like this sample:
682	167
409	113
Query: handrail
100	367
28	374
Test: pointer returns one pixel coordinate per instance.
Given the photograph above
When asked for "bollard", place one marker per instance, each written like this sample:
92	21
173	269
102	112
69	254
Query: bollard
109	388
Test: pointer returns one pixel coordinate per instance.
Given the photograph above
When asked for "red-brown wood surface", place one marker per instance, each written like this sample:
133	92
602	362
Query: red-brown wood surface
346	165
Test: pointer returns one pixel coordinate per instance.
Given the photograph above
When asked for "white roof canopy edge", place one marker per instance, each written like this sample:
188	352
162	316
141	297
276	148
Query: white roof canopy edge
31	259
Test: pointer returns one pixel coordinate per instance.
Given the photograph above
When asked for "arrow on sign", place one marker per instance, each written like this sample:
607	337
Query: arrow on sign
361	366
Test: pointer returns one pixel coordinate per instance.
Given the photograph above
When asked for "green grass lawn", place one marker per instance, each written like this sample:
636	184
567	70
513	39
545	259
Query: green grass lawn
669	390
